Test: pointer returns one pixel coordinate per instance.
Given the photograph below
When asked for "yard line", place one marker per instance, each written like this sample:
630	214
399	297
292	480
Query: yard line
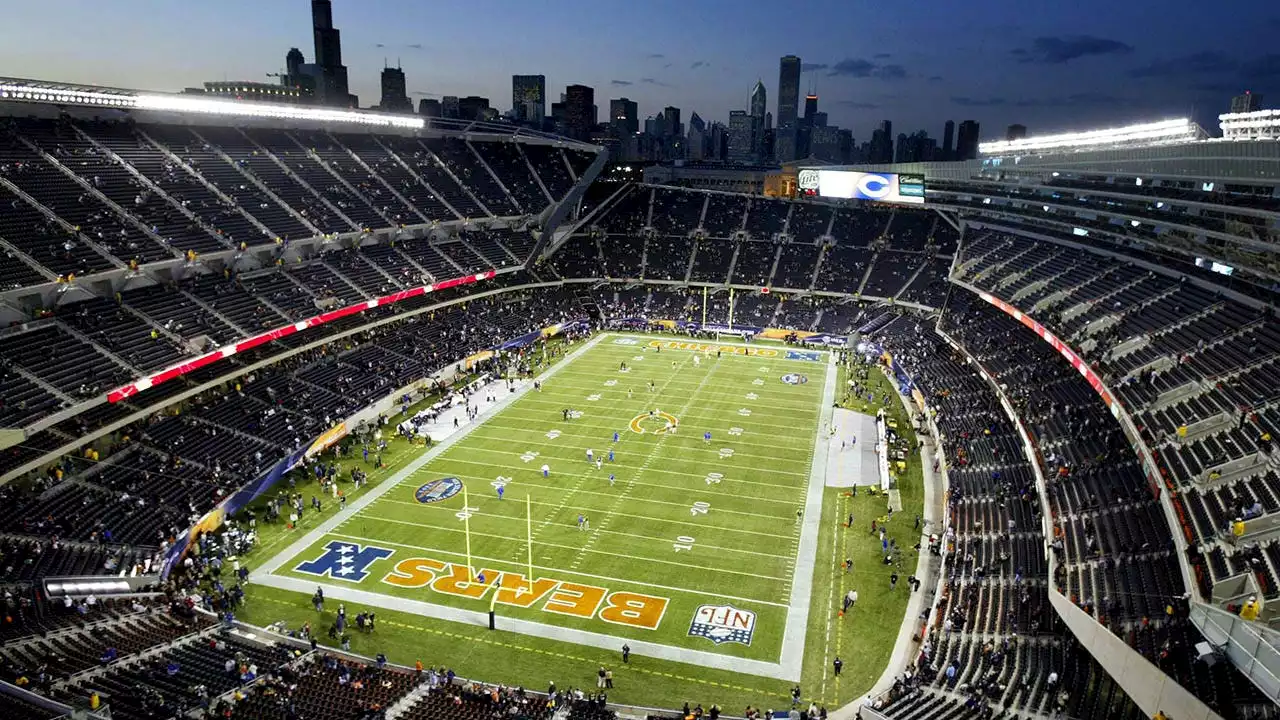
519	566
733	529
790	503
544	543
578	459
684	505
735	439
808	415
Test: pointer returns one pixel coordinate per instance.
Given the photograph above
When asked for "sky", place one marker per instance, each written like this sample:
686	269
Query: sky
1052	66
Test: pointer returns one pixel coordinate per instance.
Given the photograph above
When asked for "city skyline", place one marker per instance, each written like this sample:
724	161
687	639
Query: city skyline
1065	68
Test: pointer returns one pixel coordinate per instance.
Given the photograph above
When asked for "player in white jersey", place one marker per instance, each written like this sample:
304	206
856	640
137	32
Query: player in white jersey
590	456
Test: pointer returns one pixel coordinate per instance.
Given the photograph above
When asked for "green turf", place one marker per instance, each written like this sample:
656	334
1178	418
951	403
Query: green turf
744	545
744	525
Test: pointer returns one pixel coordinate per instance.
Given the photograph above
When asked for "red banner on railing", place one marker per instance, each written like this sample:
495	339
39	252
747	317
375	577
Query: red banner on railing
200	361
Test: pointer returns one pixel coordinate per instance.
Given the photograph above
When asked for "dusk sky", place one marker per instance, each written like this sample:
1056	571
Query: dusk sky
1048	65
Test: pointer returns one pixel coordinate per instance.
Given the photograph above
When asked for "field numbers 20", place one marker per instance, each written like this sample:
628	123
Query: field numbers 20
700	508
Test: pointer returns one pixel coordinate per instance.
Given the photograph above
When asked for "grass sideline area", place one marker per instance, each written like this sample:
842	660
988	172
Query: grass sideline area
863	640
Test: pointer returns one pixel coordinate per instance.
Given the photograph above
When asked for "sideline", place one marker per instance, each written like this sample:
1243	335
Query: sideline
793	637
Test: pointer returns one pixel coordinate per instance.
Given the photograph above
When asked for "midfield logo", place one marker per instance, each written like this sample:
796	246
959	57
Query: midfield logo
794	379
438	490
344	561
723	623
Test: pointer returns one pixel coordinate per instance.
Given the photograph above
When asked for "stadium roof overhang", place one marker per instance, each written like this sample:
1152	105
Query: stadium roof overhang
20	90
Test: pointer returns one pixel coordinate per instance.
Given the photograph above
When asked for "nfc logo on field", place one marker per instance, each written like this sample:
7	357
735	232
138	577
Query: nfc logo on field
344	561
438	490
723	623
626	341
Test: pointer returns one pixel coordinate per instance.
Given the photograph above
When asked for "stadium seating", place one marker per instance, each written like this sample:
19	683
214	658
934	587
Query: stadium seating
1181	358
994	625
1116	556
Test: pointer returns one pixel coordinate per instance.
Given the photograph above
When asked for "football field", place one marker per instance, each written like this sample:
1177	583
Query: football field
690	535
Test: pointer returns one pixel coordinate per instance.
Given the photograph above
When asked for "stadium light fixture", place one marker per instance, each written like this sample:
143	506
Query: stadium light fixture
1163	131
1257	125
218	106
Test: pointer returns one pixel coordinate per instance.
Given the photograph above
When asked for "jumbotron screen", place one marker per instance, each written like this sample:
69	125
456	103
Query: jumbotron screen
850	185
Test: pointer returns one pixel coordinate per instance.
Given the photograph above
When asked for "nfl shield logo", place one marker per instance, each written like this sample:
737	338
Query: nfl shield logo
723	623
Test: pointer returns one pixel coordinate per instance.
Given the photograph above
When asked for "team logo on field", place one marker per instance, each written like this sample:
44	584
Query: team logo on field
794	379
723	623
438	490
344	561
809	355
656	422
626	341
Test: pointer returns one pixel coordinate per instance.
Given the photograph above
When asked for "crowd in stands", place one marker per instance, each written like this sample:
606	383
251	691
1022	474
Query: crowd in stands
994	644
1192	366
660	233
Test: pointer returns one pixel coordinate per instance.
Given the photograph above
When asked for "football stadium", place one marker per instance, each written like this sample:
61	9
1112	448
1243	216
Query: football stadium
313	412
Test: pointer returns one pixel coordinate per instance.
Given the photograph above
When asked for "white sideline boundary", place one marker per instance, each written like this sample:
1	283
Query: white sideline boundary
791	660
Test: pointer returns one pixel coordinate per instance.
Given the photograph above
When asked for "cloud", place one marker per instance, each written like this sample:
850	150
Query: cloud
1262	68
1059	50
415	46
620	83
861	68
853	67
668	65
811	67
882	56
655	56
857	105
653	81
977	102
424	93
698	64
935	78
379	45
1201	63
1084	99
891	72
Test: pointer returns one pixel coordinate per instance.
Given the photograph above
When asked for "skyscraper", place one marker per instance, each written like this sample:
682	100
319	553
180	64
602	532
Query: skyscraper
1015	132
759	101
741	137
529	98
473	107
788	107
624	116
967	140
293	61
759	110
788	90
881	149
672	116
429	107
948	138
579	110
449	106
298	74
331	74
394	97
1246	102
